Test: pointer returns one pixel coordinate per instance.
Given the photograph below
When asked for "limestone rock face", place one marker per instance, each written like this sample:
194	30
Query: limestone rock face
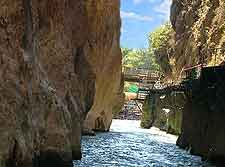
200	32
109	84
55	56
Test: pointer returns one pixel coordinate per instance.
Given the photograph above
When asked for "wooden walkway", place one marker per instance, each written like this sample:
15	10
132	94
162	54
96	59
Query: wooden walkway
141	75
147	81
144	92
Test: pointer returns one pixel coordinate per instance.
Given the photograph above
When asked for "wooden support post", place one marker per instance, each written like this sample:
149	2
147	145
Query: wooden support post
138	106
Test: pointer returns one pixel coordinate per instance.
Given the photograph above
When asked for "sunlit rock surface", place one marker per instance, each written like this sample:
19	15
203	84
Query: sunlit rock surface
105	58
55	56
200	32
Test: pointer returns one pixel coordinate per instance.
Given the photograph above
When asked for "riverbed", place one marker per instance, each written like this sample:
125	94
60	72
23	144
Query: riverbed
127	145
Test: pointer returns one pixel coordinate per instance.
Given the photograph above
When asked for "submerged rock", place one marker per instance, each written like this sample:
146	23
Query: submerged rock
55	56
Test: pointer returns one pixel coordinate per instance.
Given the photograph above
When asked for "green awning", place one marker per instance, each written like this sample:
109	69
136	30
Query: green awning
133	89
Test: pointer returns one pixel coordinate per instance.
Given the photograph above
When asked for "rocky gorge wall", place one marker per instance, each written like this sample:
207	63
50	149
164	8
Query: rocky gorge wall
107	66
164	112
200	39
54	58
203	130
199	33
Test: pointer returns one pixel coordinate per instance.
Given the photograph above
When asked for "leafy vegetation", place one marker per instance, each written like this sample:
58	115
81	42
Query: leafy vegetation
159	38
148	58
139	58
153	58
161	44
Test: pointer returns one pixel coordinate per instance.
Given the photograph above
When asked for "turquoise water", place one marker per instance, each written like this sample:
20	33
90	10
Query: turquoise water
127	145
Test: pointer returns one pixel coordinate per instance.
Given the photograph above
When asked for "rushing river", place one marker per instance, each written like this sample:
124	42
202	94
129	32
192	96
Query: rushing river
127	145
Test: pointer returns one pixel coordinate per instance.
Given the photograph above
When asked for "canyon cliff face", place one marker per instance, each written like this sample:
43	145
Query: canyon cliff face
55	56
164	112
107	66
200	39
200	32
203	129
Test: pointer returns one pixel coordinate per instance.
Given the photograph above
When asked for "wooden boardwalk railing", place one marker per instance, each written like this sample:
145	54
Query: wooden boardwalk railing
149	82
144	92
139	75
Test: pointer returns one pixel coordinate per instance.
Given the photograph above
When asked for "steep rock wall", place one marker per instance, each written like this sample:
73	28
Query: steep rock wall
164	112
203	130
200	32
51	53
200	39
109	84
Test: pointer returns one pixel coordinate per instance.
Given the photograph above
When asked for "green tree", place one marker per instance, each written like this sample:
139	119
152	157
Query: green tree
161	44
125	52
157	53
160	37
139	58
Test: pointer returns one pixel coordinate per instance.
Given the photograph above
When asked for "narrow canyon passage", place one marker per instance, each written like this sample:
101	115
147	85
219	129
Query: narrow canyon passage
69	68
127	145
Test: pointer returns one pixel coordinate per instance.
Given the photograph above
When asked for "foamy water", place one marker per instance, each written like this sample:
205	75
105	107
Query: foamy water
127	145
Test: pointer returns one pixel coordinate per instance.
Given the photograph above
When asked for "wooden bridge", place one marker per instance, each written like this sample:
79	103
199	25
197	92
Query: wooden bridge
144	92
146	80
149	82
141	75
206	78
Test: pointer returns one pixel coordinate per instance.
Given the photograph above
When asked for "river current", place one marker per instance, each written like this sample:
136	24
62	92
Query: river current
127	145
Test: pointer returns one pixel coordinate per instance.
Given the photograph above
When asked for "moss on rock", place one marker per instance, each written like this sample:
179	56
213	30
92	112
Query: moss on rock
163	113
148	114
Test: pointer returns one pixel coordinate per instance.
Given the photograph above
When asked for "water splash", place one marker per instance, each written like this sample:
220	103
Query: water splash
127	145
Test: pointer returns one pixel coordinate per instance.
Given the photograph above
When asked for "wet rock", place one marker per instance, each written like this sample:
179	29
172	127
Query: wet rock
199	27
51	159
203	118
164	112
88	132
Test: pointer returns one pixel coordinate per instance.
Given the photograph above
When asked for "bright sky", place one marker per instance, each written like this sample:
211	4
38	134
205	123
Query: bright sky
139	17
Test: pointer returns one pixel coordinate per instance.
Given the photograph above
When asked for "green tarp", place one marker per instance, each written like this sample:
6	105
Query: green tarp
133	89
